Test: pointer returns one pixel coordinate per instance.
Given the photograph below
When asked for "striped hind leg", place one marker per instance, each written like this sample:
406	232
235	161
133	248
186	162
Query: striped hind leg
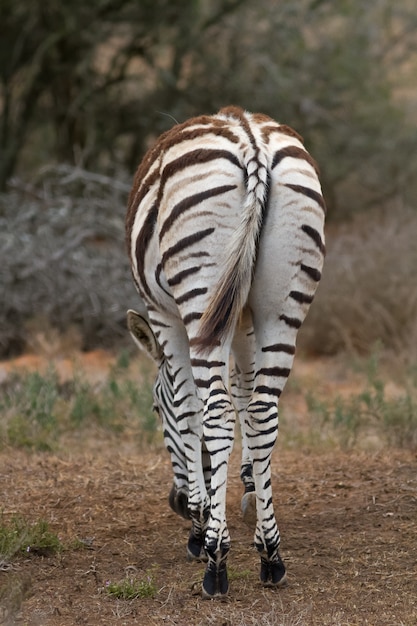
288	268
211	377
276	323
273	364
243	349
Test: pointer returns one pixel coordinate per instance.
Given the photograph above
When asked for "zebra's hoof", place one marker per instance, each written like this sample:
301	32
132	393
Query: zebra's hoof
215	582
178	501
248	506
273	573
195	548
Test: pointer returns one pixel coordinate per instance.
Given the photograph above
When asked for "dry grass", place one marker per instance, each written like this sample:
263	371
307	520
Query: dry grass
368	294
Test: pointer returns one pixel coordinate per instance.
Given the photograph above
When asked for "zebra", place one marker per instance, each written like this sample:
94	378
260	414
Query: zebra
225	233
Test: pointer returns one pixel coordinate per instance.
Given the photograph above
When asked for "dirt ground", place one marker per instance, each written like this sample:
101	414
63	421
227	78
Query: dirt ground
348	523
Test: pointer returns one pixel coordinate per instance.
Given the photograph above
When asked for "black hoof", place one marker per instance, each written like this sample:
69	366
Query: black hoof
215	582
178	501
195	548
273	573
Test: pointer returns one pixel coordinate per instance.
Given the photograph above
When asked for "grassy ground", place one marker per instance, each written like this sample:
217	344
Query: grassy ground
86	535
328	402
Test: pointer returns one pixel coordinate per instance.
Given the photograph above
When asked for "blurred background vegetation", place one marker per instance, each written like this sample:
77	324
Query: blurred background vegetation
86	87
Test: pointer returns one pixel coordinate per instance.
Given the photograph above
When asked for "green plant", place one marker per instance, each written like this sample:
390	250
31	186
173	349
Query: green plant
30	402
142	400
392	418
131	588
18	535
37	409
82	401
235	574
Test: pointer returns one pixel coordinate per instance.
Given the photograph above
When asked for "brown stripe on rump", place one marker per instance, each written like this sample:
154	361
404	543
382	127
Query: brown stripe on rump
315	236
184	243
282	372
296	153
287	130
262	118
190	202
302	298
173	136
211	126
216	127
310	193
312	272
194	157
189	295
232	110
280	347
239	114
269	130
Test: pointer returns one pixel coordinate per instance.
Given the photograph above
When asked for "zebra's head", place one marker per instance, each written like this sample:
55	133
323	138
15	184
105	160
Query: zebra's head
145	339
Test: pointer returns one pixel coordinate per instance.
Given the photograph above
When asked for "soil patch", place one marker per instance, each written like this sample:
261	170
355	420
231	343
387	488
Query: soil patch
348	525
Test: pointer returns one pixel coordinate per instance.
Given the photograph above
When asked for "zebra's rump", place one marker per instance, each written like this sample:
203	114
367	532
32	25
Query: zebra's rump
196	212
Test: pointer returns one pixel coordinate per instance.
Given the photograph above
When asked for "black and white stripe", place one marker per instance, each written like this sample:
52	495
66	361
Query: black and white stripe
225	235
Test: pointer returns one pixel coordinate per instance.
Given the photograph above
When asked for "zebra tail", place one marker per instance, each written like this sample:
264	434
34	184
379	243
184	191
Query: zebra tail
220	317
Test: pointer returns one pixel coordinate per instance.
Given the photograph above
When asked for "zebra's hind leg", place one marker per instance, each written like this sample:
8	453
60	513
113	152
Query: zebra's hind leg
262	429
273	366
248	502
210	374
262	432
178	501
241	379
195	546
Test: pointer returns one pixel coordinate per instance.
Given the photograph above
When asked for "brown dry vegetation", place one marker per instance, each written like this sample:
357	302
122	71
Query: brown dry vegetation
348	524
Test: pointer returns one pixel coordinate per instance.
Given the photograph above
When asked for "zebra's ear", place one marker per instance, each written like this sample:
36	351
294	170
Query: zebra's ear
143	335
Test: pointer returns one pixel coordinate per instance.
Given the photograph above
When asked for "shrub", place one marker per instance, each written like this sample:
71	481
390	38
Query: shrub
62	256
368	293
